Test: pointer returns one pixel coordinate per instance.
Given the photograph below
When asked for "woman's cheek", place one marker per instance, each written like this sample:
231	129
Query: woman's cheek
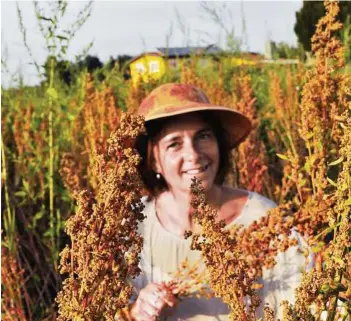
170	163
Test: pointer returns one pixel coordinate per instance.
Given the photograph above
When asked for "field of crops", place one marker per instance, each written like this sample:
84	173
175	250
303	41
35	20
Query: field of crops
67	166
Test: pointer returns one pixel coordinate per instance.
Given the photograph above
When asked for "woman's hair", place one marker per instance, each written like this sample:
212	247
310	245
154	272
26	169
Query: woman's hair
145	144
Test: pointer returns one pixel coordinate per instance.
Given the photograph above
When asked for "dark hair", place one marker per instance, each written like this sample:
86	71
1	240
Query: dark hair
145	144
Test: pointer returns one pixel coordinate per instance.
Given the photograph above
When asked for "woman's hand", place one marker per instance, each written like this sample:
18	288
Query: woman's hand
150	302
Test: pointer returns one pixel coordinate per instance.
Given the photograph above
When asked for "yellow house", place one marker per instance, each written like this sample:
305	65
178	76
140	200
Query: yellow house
146	66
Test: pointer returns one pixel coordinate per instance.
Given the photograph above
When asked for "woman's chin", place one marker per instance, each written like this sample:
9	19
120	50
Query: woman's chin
206	184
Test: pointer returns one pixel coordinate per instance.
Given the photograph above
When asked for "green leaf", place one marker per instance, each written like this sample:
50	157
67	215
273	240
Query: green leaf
302	182
331	182
21	193
49	233
36	218
307	166
320	145
338	161
344	187
44	18
325	287
62	37
309	135
25	185
348	201
70	116
318	247
283	157
51	92
38	215
338	260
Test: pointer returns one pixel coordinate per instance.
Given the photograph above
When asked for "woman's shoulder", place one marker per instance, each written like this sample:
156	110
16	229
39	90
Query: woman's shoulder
260	201
254	205
248	197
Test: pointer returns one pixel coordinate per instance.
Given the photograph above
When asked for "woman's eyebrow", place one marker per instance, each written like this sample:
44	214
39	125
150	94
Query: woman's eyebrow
206	129
171	138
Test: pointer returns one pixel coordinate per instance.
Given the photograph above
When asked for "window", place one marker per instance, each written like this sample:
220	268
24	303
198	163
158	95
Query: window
154	66
140	68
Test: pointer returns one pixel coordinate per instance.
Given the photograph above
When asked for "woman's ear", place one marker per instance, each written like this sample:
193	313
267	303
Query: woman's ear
156	167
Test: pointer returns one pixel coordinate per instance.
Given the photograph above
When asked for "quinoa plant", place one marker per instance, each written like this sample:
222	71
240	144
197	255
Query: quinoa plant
105	246
320	209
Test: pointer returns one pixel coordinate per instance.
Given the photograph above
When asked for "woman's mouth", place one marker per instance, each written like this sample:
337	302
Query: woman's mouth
198	170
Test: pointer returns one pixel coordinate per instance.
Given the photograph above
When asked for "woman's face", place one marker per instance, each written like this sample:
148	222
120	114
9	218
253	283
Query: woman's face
185	148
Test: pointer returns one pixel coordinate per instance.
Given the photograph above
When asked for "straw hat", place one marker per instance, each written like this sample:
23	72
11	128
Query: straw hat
174	99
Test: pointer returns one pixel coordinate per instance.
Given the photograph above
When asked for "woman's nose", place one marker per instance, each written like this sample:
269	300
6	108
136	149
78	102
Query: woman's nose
192	153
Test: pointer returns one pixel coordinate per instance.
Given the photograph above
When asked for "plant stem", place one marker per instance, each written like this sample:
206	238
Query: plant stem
51	160
9	218
312	171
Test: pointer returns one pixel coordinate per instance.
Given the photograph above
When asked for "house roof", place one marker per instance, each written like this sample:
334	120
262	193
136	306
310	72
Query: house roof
187	51
144	54
173	52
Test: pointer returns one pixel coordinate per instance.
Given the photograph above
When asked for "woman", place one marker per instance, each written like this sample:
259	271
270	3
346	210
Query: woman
187	137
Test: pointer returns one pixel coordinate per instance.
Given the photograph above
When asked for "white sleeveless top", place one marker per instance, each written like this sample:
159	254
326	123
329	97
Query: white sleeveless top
164	252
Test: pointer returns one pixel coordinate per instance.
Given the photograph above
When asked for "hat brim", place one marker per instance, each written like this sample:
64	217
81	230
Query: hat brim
237	125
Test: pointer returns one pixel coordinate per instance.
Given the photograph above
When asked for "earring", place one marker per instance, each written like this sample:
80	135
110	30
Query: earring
158	176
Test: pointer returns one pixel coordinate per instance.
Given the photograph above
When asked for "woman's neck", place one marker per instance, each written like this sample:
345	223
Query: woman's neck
174	209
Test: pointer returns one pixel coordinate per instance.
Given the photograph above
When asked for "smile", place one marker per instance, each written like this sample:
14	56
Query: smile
197	170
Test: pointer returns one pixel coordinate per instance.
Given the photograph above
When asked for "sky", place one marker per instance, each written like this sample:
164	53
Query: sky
132	27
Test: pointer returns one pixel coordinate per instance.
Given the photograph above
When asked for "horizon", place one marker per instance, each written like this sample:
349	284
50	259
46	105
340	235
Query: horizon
131	28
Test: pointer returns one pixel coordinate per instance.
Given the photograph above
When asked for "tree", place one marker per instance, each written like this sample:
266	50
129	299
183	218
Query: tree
63	70
122	62
91	63
308	16
282	50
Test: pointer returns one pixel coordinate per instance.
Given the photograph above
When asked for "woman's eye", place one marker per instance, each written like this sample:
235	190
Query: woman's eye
205	136
173	145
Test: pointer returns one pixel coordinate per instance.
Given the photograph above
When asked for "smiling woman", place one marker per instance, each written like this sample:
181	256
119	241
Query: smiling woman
189	137
186	148
198	135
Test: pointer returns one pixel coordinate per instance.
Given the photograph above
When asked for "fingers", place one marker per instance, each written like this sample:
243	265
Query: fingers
142	312
150	311
169	295
151	300
157	300
169	299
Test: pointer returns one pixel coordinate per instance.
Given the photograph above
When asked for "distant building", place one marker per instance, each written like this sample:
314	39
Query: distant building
245	58
154	64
